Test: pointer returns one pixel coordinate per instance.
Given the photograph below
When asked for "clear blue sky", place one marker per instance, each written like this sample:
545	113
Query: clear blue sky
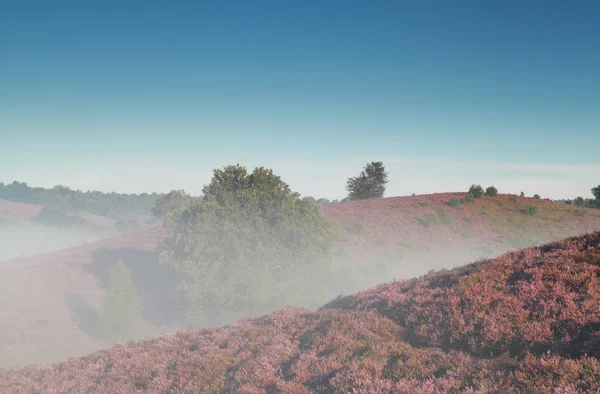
150	96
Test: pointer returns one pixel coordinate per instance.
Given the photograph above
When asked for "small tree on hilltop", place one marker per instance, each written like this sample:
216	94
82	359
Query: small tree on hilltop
491	191
121	315
476	191
536	196
369	184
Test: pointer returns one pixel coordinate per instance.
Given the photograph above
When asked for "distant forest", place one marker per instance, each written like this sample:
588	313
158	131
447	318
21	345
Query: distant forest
112	205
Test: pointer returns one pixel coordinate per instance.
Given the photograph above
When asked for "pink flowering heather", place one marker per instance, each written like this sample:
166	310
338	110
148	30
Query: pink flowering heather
527	321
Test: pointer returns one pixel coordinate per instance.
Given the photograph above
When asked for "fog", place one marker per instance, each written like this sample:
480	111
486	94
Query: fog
24	239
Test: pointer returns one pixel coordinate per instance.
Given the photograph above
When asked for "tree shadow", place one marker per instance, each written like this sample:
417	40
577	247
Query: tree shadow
156	284
85	315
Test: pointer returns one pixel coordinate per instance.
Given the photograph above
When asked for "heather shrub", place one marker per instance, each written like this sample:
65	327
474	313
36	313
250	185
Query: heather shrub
121	314
491	191
453	202
247	246
529	209
423	203
512	199
476	191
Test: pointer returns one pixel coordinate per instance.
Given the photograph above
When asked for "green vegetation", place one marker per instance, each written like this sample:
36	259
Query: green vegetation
453	202
247	226
469	198
104	204
53	216
491	191
369	184
435	218
121	315
444	216
536	196
174	201
530	209
423	203
476	191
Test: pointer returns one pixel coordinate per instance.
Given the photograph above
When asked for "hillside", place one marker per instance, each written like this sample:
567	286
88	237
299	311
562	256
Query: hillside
527	321
52	299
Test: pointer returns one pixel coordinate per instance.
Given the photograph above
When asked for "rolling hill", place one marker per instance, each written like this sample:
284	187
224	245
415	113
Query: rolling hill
50	301
527	321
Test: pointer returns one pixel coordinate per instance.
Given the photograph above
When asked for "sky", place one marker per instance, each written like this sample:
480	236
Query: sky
152	96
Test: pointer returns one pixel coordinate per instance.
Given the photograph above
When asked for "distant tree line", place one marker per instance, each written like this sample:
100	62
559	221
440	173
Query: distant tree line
105	204
53	216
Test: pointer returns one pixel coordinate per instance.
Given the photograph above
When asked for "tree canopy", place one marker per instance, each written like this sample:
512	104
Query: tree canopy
175	200
369	184
246	245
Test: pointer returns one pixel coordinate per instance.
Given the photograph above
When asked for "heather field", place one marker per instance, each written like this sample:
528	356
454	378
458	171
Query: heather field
527	321
51	301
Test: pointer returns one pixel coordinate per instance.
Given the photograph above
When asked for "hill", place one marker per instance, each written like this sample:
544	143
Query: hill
52	299
112	205
527	321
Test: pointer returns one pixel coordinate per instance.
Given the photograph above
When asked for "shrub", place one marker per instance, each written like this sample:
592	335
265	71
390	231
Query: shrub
491	191
423	203
444	216
121	315
522	194
430	219
536	196
512	199
579	201
469	198
476	191
530	209
453	202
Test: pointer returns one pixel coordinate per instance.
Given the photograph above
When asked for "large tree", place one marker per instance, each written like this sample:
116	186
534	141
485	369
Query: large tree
369	184
249	244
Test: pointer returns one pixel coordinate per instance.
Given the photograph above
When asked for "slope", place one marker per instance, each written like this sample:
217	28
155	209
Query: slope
527	321
50	301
